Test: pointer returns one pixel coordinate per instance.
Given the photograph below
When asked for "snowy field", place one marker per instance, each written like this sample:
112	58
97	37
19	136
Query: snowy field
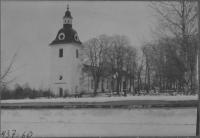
105	99
100	122
180	121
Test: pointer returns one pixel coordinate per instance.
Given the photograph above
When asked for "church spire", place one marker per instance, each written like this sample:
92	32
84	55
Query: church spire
66	34
67	19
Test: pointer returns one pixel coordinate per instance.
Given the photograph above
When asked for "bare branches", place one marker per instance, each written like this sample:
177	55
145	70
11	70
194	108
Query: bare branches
105	56
9	69
94	57
176	29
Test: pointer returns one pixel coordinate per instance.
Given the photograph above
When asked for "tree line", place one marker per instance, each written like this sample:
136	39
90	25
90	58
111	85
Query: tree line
174	47
23	92
168	61
109	56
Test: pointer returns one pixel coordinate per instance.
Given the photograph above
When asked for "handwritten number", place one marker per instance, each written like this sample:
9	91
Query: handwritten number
13	133
23	136
3	133
31	133
8	134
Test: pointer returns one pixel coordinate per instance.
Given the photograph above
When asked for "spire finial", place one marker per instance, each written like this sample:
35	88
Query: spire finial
67	7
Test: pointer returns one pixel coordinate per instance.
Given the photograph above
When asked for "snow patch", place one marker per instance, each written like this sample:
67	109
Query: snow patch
104	99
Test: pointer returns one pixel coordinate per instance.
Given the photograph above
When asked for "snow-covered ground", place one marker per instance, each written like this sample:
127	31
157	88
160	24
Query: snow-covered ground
100	122
104	99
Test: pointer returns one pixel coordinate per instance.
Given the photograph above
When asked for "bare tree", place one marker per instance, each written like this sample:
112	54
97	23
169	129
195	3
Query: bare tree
147	52
118	54
140	64
130	65
177	26
94	59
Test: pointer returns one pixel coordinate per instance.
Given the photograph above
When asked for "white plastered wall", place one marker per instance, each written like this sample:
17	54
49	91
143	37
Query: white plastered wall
66	66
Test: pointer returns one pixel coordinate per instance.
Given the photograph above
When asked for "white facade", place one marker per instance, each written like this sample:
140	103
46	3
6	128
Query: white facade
65	72
104	86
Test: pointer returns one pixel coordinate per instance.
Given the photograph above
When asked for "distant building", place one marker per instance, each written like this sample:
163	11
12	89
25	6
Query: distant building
66	75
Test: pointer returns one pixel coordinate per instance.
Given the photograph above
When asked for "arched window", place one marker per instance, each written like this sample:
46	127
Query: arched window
76	53
60	52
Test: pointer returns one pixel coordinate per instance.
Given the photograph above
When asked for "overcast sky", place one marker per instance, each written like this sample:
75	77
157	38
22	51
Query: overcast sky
32	26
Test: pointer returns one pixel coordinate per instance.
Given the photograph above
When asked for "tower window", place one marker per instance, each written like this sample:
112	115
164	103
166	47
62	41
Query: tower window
60	77
61	36
60	52
76	53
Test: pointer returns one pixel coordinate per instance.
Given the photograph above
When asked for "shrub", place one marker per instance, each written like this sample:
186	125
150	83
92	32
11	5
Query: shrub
6	94
83	92
66	93
34	94
19	92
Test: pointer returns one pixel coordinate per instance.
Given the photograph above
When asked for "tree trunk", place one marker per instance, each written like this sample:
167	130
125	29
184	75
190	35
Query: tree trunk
170	85
96	86
148	80
112	84
133	79
140	84
133	87
130	83
145	80
95	90
120	85
174	84
117	87
163	84
160	83
138	87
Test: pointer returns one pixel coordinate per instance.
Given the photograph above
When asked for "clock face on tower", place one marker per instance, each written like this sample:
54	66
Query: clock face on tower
61	36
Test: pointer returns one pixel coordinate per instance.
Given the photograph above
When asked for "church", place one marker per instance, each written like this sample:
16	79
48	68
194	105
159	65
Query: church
65	63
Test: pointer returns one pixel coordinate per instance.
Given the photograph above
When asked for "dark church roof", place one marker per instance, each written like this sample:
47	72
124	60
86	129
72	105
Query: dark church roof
68	15
66	34
69	36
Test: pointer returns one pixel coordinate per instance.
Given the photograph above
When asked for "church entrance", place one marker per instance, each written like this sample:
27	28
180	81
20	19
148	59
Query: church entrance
60	92
76	89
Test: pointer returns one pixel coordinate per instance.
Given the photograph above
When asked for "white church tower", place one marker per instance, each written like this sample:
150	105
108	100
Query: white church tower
65	60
